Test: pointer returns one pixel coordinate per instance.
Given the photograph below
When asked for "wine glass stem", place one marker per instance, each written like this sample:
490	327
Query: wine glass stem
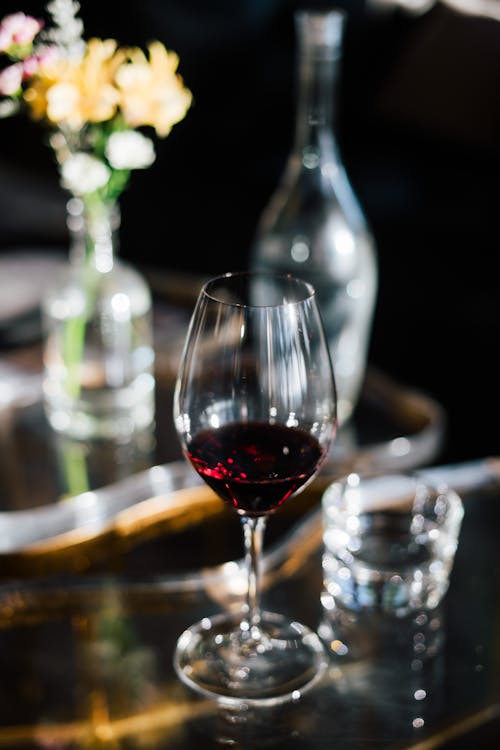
253	535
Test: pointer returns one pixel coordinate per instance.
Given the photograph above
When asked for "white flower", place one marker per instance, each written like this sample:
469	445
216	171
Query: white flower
67	32
82	173
128	149
11	79
8	107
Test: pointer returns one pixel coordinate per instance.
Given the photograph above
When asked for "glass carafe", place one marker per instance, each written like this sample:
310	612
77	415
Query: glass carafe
313	226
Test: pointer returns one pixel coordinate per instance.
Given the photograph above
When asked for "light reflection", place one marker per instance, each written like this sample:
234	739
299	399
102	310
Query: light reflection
230	587
310	157
353	501
103	256
344	241
159	474
353	524
400	446
353	480
300	251
355	289
165	716
120	304
183	424
388	662
339	648
486	8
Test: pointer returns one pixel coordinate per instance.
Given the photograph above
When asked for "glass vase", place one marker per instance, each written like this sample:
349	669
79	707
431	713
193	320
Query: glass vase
98	351
313	226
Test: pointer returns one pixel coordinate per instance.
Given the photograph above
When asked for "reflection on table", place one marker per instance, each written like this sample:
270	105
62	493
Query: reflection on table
87	661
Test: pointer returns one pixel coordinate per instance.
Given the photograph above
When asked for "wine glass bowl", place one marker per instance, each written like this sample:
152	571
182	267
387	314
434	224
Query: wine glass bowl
255	410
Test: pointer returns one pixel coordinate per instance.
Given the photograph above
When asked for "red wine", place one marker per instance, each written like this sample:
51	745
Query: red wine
255	466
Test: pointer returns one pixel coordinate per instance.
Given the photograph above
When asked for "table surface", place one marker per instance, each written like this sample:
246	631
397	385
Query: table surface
87	660
89	621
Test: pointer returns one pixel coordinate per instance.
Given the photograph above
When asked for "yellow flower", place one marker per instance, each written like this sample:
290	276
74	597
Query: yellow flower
75	92
152	93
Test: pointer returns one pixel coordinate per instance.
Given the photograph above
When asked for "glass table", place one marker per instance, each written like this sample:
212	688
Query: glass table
107	552
87	659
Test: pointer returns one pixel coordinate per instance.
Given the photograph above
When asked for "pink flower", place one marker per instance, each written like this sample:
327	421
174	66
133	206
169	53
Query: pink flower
11	79
30	66
33	63
47	55
5	39
18	29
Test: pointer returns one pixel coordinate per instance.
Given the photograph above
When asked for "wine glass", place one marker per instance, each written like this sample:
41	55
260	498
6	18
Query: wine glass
255	409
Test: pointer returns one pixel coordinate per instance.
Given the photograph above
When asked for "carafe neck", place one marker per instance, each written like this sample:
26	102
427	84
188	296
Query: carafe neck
319	46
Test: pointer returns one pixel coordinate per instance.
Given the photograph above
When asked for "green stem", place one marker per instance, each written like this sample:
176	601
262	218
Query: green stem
73	347
96	216
76	475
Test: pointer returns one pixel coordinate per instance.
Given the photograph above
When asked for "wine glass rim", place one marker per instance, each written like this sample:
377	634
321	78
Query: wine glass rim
308	293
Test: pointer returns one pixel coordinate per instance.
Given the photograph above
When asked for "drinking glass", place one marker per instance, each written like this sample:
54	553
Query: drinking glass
255	408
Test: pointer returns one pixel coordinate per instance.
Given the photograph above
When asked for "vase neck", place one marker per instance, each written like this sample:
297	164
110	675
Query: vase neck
319	47
93	231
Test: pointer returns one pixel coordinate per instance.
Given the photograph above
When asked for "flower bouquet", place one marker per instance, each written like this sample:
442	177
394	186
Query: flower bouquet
99	103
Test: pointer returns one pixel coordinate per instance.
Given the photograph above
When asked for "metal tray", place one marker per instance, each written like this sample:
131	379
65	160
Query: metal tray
73	506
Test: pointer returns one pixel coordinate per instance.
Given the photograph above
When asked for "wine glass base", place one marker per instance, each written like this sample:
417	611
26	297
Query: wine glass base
272	664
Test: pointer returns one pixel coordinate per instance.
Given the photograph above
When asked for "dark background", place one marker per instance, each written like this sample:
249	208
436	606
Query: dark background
419	128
